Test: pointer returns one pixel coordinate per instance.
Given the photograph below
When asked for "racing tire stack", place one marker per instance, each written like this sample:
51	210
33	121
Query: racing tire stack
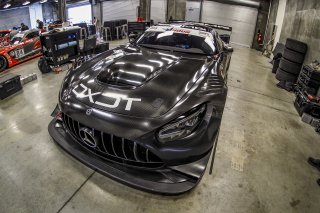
291	61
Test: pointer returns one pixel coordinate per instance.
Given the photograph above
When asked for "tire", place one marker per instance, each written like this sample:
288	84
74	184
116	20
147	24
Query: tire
3	63
293	56
44	66
282	75
297	46
290	67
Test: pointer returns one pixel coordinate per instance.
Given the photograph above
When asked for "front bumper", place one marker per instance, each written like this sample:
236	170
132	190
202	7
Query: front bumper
167	180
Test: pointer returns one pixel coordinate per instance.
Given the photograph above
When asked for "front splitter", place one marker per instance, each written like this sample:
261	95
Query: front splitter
168	181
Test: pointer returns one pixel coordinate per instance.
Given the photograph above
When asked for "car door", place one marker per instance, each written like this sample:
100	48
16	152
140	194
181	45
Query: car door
29	43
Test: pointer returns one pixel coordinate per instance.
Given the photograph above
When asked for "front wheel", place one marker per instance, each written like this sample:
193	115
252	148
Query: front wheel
3	63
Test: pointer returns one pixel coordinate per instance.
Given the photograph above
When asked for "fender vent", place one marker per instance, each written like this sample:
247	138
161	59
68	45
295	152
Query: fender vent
213	84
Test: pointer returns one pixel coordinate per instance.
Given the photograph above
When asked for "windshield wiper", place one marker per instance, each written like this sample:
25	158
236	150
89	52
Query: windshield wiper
153	46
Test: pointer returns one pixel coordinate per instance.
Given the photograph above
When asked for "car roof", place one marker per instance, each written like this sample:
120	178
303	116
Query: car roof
28	31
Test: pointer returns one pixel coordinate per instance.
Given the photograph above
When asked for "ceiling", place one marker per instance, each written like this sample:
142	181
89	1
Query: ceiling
17	3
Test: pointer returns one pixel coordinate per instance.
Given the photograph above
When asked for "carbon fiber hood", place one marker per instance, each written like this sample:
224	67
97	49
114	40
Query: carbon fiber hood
134	81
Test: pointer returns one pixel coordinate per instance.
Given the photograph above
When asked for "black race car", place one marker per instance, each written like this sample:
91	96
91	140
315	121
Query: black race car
147	113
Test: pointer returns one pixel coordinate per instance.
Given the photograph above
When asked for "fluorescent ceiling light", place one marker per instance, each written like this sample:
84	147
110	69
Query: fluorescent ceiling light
56	0
6	5
26	2
43	1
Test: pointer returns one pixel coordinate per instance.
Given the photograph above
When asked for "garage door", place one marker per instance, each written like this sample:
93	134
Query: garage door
120	9
158	10
241	18
16	17
193	10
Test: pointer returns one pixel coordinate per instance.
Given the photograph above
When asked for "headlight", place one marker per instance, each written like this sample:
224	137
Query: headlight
182	126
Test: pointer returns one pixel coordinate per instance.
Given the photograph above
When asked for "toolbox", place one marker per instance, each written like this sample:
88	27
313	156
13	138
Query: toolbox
304	105
309	82
9	85
309	79
314	122
61	45
311	73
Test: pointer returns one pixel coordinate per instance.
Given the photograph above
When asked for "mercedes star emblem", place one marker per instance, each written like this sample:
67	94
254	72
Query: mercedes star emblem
87	137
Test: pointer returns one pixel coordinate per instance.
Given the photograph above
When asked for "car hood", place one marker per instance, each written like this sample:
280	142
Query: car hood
135	81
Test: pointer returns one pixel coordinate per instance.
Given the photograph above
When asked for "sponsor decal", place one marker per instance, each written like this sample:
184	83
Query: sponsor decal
87	137
117	98
180	30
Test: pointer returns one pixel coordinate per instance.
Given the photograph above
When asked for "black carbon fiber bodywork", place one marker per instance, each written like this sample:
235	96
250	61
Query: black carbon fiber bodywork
129	94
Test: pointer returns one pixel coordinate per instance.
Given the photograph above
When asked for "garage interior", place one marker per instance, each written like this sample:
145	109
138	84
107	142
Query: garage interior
260	163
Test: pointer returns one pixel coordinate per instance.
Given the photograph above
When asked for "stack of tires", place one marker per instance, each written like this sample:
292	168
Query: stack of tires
291	61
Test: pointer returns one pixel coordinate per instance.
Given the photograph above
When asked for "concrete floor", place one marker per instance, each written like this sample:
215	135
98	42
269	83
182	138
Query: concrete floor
260	165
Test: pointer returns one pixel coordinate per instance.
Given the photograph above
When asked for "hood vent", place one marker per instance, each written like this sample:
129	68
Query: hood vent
133	70
117	78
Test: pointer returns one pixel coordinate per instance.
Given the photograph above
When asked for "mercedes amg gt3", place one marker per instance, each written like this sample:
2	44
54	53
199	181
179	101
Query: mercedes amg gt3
147	113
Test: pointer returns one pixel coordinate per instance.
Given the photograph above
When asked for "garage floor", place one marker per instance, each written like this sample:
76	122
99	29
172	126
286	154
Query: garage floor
260	165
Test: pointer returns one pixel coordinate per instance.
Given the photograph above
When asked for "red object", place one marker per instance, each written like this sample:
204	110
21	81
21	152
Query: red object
55	24
313	98
259	38
140	19
22	47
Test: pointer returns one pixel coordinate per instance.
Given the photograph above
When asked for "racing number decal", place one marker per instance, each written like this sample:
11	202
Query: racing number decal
19	53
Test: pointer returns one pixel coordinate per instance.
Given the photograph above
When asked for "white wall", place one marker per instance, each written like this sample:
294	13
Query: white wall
80	14
279	19
35	11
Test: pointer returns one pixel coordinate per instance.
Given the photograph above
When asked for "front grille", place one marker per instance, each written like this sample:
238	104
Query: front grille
111	147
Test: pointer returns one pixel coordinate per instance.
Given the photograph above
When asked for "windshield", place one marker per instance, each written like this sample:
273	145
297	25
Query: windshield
17	38
3	34
177	42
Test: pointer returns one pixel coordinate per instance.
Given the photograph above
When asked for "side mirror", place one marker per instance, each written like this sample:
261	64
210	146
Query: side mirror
228	49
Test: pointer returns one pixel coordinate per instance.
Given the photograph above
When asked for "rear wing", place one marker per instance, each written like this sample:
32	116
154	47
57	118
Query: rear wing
215	26
219	27
224	31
